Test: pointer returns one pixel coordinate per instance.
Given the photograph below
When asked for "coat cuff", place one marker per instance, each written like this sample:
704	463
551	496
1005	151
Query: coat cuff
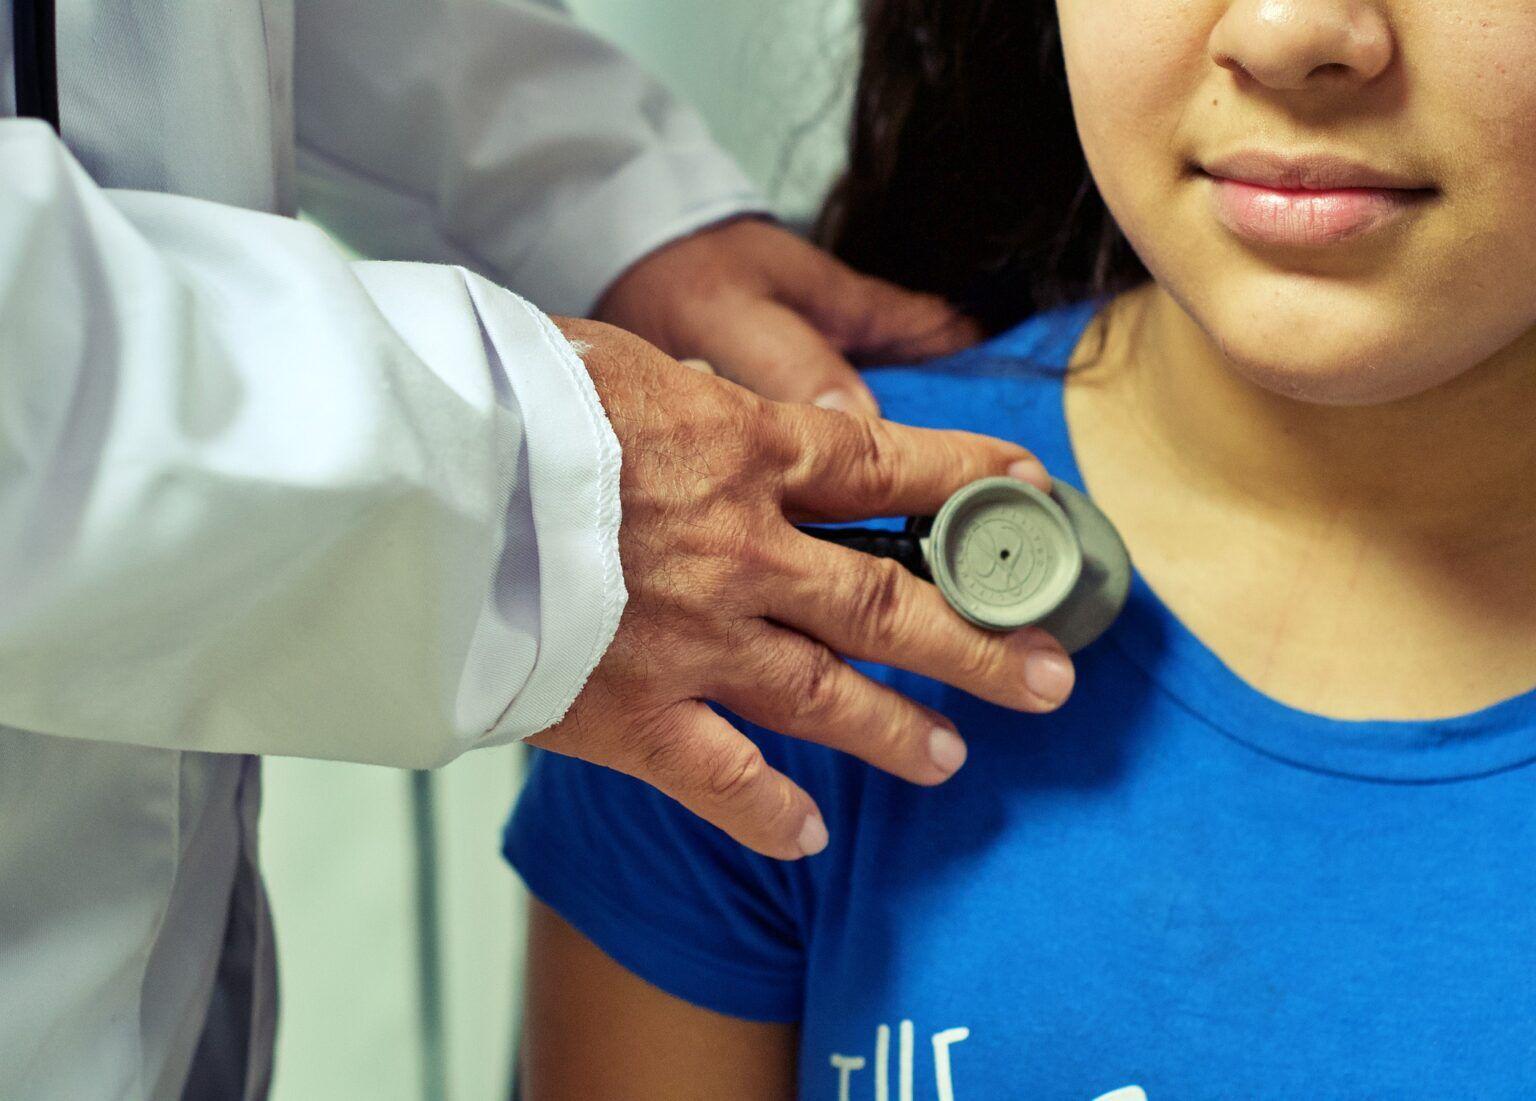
560	564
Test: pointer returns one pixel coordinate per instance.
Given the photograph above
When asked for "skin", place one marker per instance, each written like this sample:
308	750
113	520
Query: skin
729	603
747	612
595	1030
767	310
1438	90
1350	425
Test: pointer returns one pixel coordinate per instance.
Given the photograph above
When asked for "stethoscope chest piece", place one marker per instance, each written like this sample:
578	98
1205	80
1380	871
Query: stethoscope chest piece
1007	555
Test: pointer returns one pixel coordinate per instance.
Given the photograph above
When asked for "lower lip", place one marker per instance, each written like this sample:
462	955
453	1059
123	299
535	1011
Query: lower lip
1276	216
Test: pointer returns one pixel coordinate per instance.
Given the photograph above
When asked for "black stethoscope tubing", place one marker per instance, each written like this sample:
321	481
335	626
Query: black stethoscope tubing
36	60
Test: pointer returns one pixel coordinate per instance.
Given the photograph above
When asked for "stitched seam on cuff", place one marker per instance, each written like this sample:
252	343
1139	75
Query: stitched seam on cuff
609	459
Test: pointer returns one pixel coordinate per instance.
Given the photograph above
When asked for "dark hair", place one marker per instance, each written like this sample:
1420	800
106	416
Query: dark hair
966	177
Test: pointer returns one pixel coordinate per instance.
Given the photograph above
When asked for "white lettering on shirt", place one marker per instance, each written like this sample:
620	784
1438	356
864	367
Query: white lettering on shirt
906	1061
942	1042
847	1066
883	1063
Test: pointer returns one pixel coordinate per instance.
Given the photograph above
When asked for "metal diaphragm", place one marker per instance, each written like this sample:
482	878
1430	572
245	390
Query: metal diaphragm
1007	555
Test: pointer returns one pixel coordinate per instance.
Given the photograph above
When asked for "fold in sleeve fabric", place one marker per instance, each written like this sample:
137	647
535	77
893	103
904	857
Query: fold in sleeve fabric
499	136
255	498
666	895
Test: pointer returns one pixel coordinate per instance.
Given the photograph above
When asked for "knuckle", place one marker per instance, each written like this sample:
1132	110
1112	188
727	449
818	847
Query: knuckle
732	539
734	562
735	773
780	437
740	418
878	460
984	660
814	685
661	748
737	636
743	414
877	608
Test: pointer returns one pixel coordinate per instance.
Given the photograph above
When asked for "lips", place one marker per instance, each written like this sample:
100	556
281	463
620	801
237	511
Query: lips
1308	201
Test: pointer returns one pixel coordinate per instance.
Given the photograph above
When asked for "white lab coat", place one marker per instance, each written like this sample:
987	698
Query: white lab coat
256	498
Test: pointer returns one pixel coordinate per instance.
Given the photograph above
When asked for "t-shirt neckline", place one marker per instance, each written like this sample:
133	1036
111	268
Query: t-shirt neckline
1492	739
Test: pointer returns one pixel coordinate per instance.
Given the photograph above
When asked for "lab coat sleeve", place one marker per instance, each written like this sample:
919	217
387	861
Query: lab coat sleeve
256	498
500	136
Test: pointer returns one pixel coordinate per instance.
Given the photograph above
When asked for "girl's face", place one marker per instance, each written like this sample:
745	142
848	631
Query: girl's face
1341	193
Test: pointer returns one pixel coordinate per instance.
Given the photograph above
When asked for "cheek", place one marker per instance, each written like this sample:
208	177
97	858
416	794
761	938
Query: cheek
1459	289
1135	67
1468	286
1483	64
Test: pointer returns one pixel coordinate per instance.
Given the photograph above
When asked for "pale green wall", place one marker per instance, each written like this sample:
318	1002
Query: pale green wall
337	838
772	77
337	843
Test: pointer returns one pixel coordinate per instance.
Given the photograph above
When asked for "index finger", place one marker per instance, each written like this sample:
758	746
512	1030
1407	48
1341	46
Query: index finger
852	468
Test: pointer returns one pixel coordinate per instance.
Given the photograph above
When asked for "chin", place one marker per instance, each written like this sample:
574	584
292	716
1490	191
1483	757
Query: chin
1324	373
1327	349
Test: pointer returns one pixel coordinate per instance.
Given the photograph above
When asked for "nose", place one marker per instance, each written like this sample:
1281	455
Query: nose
1294	44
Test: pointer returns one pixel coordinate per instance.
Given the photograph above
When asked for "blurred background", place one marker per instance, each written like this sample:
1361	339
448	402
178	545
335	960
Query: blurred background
399	928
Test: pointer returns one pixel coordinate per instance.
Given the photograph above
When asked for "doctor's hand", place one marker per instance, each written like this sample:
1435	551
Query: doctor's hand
778	315
729	603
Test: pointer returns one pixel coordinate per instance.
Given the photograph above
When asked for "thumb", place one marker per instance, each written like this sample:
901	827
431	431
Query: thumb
879	322
773	351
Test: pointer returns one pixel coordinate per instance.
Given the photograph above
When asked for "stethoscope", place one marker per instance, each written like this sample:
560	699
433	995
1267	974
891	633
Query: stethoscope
1004	554
36	60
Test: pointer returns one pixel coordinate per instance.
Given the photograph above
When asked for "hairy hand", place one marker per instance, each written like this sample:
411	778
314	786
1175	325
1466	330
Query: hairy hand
729	603
778	315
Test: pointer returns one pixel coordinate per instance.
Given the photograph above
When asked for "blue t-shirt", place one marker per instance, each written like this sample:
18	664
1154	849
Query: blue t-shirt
1173	885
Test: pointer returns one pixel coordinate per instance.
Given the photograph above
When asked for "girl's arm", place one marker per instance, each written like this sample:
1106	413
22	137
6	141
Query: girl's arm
593	1030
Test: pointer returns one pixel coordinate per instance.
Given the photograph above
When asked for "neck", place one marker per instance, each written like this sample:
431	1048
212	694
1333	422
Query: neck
1454	463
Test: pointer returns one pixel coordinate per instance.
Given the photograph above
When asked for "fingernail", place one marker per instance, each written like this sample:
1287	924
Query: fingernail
849	401
813	835
1031	471
1049	675
865	403
946	750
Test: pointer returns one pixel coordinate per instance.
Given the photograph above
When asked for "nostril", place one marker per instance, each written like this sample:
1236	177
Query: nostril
1230	63
1281	44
